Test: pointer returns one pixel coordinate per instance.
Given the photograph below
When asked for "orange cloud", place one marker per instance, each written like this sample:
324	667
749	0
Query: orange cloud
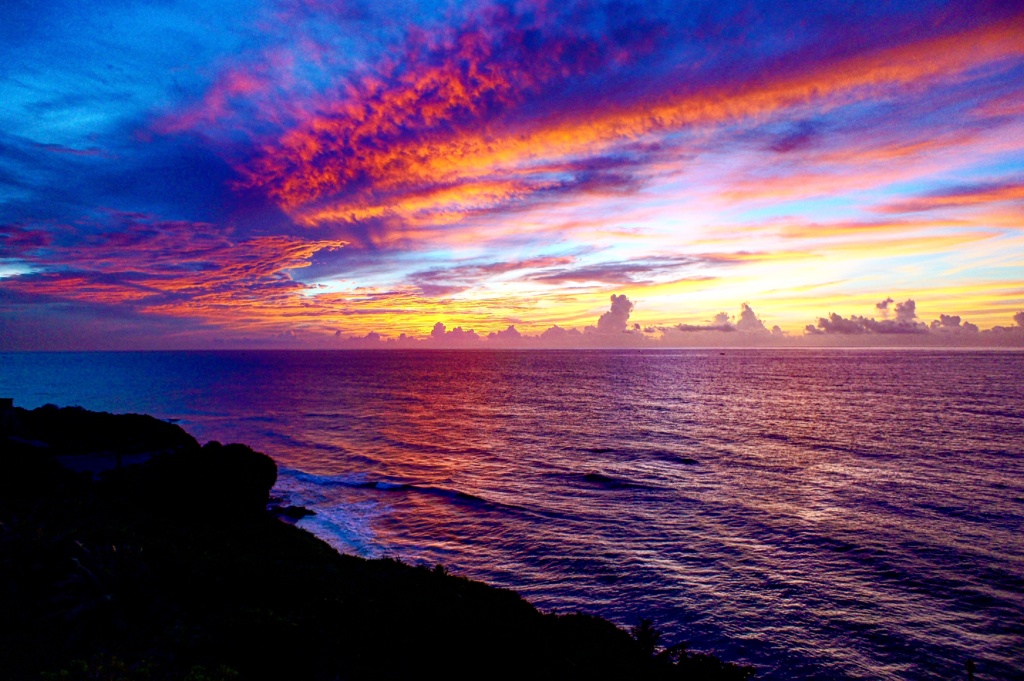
405	146
173	268
958	198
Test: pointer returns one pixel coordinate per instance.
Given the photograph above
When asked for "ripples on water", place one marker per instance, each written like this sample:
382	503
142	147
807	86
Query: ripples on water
820	514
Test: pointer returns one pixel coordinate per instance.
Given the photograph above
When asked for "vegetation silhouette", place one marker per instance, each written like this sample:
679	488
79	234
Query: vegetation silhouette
173	569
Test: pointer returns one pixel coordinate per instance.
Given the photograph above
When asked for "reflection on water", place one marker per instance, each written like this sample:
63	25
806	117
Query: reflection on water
821	514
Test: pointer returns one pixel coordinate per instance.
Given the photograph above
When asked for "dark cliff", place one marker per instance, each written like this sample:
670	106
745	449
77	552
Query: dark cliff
172	568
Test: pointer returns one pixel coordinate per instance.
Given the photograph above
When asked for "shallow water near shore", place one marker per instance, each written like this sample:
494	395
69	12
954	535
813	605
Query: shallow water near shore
821	514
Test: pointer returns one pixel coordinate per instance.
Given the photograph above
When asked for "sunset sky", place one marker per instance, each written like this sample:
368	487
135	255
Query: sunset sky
250	173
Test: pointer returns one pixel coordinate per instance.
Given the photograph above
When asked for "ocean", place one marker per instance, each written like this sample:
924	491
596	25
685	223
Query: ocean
820	514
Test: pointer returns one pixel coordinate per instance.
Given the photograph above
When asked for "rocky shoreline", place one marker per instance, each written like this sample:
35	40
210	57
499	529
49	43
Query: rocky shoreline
129	551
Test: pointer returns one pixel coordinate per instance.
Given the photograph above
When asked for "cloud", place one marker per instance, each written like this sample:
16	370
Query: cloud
503	164
160	267
802	137
456	338
960	197
369	341
483	115
509	336
727	327
748	321
855	325
904	323
404	138
616	319
442	281
642	271
951	324
556	335
906	312
19	241
720	322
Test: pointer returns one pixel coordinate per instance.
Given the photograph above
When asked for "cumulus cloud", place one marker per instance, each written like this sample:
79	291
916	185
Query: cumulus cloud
745	329
616	319
613	328
463	336
951	324
835	323
748	322
906	312
1013	335
457	337
905	322
557	335
856	324
370	341
509	336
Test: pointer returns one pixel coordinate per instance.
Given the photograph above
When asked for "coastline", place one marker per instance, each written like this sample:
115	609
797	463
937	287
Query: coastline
124	574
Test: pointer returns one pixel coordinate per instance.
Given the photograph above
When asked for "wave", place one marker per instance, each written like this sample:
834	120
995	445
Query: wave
359	482
455	494
676	458
637	454
610	482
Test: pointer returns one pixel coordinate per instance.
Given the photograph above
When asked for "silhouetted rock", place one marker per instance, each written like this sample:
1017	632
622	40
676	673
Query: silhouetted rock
173	569
73	430
291	513
27	466
214	479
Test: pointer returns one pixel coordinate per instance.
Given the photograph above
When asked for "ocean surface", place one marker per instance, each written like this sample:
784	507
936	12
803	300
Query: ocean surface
818	514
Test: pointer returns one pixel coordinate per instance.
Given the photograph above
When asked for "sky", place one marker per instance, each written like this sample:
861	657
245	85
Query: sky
326	173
